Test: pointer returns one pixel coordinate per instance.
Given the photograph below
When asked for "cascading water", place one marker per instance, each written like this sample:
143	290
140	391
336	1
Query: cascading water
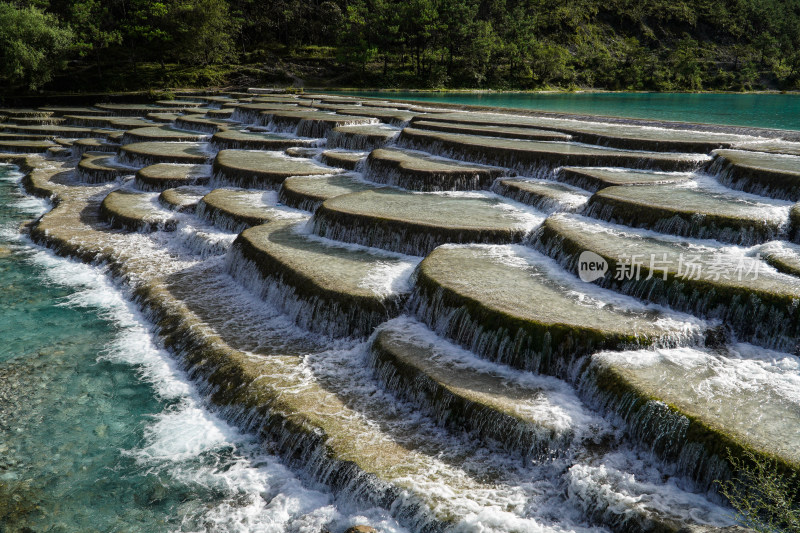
286	376
102	430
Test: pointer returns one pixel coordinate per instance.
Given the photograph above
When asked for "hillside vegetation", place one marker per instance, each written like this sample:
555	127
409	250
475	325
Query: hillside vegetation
90	45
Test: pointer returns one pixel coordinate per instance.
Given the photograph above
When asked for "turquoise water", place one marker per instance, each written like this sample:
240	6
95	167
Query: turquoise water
100	432
780	111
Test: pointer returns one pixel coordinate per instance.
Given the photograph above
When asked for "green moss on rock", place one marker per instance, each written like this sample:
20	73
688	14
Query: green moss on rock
757	303
135	212
419	171
162	176
264	170
322	286
536	156
417	223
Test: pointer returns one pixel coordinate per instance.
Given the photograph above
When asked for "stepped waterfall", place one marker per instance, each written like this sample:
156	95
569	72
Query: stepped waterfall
391	305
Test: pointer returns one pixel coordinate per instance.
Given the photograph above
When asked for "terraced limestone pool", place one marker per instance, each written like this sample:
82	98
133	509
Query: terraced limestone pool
99	428
297	313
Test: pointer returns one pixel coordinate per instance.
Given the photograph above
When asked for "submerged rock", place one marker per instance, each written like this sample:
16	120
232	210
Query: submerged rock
415	224
261	170
418	171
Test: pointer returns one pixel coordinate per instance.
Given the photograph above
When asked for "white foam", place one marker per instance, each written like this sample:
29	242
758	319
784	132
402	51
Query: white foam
253	491
385	278
558	408
621	483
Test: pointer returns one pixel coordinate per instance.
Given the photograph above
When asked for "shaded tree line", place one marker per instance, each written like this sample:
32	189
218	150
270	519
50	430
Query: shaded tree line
613	44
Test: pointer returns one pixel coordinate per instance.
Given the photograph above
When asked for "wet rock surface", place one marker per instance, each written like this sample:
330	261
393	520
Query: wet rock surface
407	317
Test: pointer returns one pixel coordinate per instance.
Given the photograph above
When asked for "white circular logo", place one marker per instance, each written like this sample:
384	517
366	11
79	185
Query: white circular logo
591	266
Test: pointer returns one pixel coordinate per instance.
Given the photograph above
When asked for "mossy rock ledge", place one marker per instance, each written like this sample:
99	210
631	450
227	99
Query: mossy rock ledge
238	209
263	170
510	305
345	159
135	211
183	199
535	157
594	179
509	132
545	195
138	110
61	111
784	256
204	124
99	121
364	138
395	117
310	123
708	279
690	212
246	140
67	132
25	147
151	153
225	113
773	175
680	404
464	398
324	287
162	176
160	133
18	112
419	171
308	193
250	113
100	167
36	121
81	146
416	223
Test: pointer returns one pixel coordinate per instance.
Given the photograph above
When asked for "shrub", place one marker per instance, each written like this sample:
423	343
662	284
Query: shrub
764	498
33	45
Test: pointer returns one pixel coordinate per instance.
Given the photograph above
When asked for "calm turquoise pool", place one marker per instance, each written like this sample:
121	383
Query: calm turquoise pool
780	111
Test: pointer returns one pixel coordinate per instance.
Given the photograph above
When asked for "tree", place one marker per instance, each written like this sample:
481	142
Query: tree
479	51
203	31
145	29
356	44
95	29
685	64
33	45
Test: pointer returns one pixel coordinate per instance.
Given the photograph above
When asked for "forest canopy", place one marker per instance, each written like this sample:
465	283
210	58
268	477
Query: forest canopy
512	44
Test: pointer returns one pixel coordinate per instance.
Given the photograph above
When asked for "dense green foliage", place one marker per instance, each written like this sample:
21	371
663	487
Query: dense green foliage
614	44
32	45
